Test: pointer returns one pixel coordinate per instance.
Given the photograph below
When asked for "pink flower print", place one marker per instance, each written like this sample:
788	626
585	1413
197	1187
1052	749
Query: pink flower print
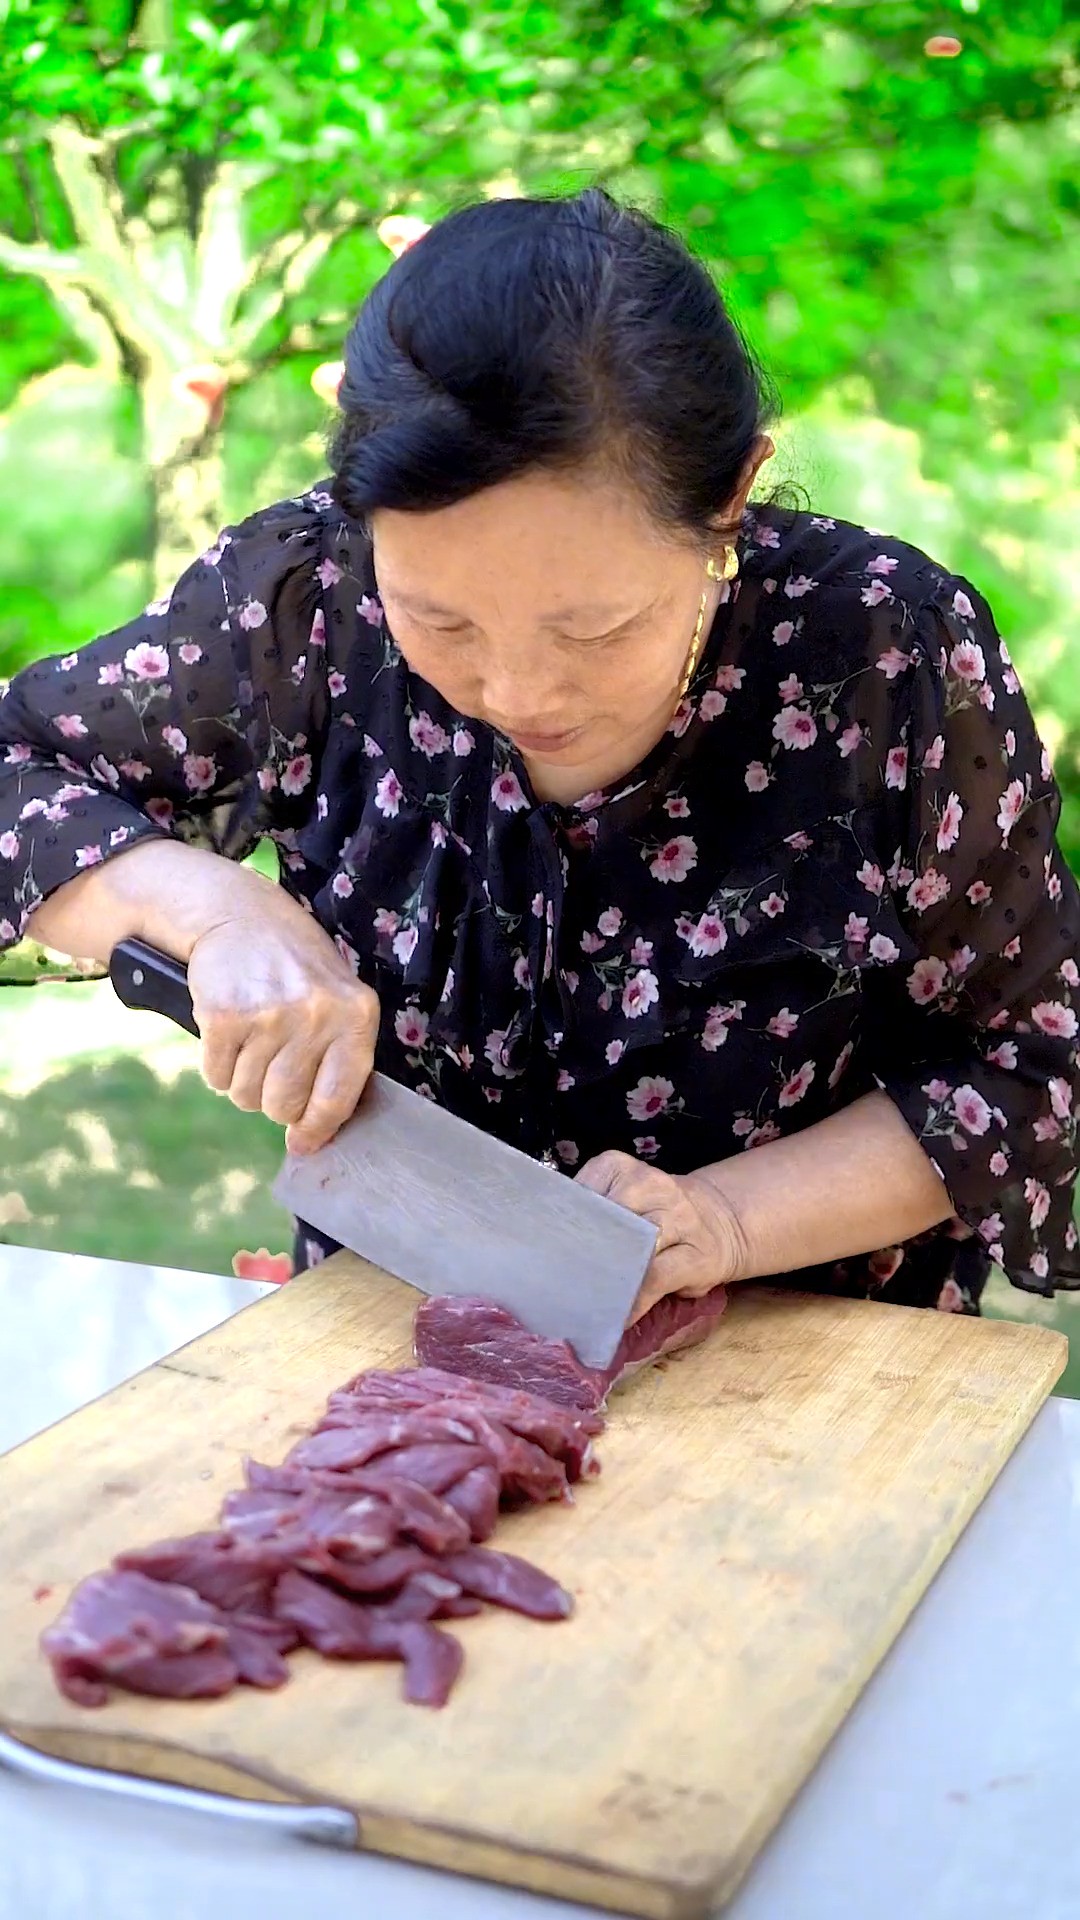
967	662
871	877
1060	1097
729	679
937	1090
742	1125
677	807
761	1136
190	653
856	930
1053	886
1038	1199
439	835
590	801
88	856
884	563
403	945
800	841
426	734
8	931
462	743
799	584
69	660
713	704
1040	1264
200	772
1051	1016
370	610
328	573
1003	1055
840	1068
885	1263
1046	768
766	537
962	605
145	662
322	806
649	1098
1046	1128
252	615
790	689
299	668
793	1090
9	846
590	942
757	777
18	755
707	936
783	1024
341	886
646	1146
641	952
568	1151
999	1164
372	749
522	972
795	728
935	753
875	593
338	685
681	718
949	825
609	922
70	725
1011	949
641	992
506	792
849	741
564	1081
971	1110
896	768
950	1299
497	1053
160	810
1070	973
930	888
175	739
1010	743
926	980
111	674
386	921
782	632
614	1051
773	905
389	794
411	1027
675	860
962	959
979	893
297	774
1010	807
103	770
892	662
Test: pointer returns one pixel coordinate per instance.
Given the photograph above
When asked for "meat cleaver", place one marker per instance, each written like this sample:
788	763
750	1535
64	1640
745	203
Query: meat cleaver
441	1204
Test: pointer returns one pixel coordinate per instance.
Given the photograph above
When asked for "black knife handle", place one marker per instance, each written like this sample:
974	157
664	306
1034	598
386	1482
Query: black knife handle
145	978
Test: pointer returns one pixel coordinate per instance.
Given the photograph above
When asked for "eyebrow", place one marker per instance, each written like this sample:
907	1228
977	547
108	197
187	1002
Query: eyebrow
594	610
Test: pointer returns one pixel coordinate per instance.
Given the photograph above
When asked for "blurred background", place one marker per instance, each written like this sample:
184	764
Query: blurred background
195	199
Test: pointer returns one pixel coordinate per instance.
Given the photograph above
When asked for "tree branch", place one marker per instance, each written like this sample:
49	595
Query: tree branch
48	262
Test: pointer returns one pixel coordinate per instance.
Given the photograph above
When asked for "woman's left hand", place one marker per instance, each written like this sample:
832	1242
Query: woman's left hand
700	1243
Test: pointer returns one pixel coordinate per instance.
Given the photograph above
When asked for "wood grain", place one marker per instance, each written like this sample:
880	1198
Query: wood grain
771	1508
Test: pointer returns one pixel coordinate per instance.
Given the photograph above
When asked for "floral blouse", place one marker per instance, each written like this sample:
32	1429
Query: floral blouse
835	872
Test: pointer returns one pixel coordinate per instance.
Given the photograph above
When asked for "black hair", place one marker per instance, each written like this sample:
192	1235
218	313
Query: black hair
548	334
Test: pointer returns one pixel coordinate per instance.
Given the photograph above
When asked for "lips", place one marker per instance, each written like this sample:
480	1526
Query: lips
544	742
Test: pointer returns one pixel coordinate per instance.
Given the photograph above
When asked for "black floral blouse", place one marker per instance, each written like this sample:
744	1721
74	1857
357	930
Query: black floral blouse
835	872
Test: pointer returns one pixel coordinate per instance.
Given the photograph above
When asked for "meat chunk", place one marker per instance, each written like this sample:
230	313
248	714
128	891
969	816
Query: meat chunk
124	1629
509	1582
427	1519
235	1575
476	1498
564	1432
342	1630
355	1442
474	1336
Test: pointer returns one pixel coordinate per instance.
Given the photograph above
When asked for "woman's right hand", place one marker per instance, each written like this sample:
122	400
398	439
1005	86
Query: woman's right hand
287	1029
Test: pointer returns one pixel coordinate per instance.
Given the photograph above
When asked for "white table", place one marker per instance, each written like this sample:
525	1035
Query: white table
950	1791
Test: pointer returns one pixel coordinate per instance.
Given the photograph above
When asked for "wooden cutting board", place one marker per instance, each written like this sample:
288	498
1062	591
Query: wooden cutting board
771	1508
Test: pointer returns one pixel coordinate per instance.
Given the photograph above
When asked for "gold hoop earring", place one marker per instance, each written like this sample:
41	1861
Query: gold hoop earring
731	568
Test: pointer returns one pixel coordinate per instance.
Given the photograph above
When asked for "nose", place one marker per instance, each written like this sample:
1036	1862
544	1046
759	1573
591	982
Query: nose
519	697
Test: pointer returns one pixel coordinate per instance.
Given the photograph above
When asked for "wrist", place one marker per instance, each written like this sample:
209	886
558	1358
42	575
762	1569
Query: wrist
726	1228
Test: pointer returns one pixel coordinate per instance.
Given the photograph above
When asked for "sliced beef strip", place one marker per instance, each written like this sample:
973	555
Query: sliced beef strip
435	1467
235	1575
476	1498
342	1630
350	1523
357	1442
509	1582
430	1521
564	1432
123	1629
476	1337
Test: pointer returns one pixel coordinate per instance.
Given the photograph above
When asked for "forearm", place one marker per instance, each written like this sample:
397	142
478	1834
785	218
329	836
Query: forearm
848	1185
160	891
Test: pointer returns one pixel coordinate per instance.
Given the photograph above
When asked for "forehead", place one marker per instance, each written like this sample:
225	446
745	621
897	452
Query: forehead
564	547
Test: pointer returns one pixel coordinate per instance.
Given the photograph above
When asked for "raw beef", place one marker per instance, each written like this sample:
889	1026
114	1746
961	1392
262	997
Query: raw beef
341	1630
229	1573
474	1336
430	1521
509	1582
124	1629
476	1498
564	1432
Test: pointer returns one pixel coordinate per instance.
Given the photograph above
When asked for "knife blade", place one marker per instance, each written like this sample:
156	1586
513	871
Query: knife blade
443	1205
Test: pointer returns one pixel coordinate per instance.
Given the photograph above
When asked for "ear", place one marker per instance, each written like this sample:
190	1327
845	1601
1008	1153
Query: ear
762	450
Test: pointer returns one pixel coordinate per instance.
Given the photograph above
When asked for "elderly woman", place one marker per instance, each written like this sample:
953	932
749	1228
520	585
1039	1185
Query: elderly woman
705	850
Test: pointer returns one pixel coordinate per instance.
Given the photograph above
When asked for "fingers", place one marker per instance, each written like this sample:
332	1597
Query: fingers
342	1076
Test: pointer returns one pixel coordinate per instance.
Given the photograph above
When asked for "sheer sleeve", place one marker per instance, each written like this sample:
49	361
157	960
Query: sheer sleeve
975	1039
202	717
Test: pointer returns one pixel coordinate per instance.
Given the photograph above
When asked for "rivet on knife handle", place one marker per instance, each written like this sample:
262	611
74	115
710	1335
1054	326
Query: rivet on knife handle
147	979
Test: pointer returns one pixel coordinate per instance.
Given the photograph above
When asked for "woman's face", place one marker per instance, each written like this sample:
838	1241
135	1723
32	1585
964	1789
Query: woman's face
549	607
